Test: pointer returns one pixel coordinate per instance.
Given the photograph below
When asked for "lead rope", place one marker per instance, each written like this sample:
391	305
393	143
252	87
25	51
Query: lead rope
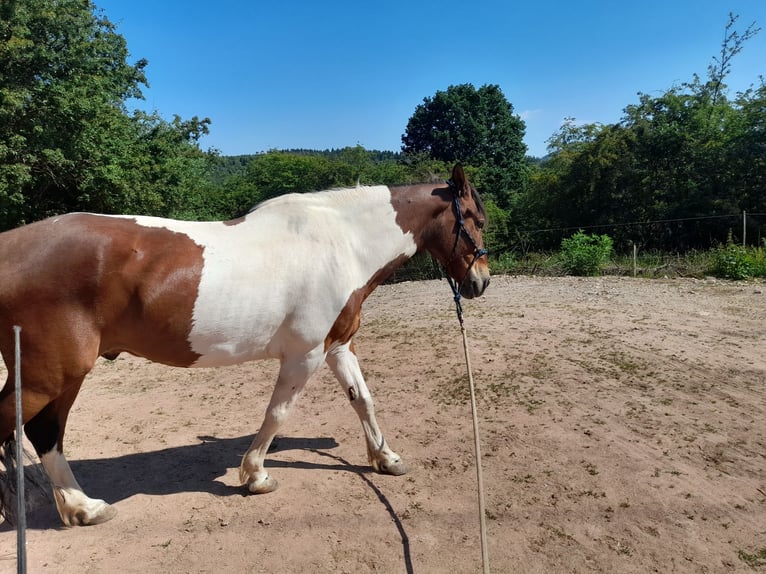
476	445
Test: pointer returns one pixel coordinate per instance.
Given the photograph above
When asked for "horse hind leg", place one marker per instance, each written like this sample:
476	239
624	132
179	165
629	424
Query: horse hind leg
37	485
46	432
345	366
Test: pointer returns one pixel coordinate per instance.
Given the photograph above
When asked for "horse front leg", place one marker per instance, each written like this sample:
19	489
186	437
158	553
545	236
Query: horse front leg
344	364
293	376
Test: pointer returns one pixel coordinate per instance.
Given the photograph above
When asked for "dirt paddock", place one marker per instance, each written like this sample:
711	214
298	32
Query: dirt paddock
622	425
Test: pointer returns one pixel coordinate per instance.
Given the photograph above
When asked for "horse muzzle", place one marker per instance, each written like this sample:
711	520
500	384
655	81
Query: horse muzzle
475	284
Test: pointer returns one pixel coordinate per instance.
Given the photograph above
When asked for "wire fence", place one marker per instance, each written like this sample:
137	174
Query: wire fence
745	228
639	223
631	257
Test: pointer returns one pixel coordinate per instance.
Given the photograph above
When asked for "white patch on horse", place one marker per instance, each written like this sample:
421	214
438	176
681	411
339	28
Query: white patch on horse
278	280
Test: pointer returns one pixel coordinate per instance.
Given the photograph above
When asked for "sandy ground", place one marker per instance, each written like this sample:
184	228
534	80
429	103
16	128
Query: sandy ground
622	429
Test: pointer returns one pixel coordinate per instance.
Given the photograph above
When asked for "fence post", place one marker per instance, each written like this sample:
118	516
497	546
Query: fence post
21	512
744	228
635	263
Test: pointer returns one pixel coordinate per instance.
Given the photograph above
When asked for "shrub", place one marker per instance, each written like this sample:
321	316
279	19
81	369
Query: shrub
502	263
584	254
733	261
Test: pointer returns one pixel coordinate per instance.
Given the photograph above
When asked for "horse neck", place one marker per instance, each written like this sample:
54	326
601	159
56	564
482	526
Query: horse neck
391	228
417	207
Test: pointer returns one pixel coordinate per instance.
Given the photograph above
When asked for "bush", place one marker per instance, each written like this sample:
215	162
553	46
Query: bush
584	254
736	262
503	263
732	262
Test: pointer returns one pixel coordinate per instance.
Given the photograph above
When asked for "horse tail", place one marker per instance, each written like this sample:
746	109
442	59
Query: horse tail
8	480
36	485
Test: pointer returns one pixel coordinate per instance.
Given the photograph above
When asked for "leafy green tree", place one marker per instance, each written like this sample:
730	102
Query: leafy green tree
171	166
67	141
747	151
277	173
733	43
686	160
477	127
369	168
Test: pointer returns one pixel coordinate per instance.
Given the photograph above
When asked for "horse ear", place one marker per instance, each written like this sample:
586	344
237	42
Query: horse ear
459	179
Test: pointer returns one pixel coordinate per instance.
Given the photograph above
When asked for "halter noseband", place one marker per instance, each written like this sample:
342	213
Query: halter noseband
461	232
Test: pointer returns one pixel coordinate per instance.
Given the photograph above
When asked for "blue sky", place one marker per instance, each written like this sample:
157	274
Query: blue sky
318	75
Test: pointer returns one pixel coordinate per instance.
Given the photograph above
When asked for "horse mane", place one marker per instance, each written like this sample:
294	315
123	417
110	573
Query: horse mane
339	190
308	195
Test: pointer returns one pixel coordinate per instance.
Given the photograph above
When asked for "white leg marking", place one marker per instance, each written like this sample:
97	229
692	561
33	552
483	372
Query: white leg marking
75	508
344	364
293	376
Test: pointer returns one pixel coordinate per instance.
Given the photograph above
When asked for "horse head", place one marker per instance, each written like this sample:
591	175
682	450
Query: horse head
457	243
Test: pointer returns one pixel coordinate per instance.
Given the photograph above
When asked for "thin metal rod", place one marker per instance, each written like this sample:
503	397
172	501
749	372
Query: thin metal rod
21	515
744	228
477	449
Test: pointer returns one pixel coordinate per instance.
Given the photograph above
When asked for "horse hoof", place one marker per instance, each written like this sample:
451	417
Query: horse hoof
90	518
394	468
104	515
268	484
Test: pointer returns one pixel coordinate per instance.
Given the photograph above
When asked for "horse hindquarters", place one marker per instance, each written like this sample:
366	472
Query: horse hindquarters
57	352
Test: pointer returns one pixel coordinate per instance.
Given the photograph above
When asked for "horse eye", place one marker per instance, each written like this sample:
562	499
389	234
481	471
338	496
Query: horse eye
480	224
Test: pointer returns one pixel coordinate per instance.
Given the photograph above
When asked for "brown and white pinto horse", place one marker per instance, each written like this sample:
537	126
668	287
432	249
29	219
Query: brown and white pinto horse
286	281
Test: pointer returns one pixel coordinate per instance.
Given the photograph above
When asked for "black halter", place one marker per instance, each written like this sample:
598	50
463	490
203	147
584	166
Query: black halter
461	232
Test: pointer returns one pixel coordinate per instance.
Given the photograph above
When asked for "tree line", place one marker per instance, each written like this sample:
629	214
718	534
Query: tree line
656	178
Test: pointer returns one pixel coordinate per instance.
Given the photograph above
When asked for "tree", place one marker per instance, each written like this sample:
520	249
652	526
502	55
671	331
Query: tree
688	159
747	152
732	44
67	141
477	127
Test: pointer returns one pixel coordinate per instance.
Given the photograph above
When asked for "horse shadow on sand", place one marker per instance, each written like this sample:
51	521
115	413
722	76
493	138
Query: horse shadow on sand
197	468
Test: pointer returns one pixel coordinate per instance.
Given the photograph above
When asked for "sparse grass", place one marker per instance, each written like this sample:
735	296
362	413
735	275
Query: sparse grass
623	362
619	546
756	560
589	467
592	494
501	391
526	479
453	392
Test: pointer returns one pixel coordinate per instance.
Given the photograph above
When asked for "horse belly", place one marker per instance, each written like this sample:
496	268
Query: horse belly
269	320
233	342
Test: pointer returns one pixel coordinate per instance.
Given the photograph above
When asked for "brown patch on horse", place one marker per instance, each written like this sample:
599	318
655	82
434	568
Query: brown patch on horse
350	318
152	281
410	221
